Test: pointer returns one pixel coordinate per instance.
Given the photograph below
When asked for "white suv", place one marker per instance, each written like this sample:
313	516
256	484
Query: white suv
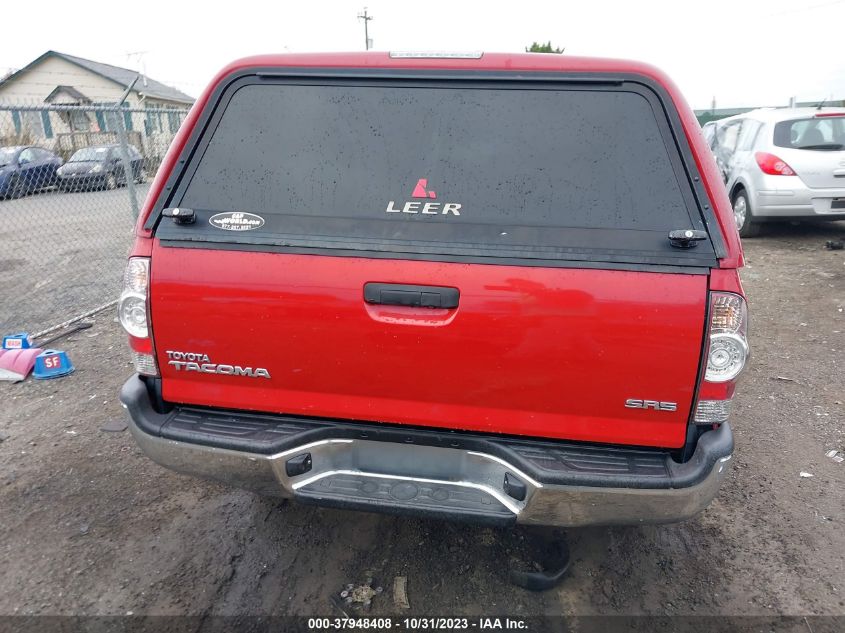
784	164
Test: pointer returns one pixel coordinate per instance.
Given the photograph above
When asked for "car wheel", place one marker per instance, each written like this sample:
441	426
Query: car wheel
745	223
111	181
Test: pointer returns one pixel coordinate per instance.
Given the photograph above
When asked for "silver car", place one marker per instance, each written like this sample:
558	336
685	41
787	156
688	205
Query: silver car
783	164
710	132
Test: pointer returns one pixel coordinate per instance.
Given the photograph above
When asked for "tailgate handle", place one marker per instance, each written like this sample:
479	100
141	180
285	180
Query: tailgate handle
411	296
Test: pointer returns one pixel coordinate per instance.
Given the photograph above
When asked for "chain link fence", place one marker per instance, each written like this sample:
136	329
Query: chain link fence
72	179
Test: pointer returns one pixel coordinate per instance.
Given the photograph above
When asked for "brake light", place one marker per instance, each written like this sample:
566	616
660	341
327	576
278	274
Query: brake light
772	165
829	115
727	354
133	314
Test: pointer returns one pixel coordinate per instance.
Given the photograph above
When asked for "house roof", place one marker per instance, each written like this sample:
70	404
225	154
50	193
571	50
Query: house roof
120	76
68	90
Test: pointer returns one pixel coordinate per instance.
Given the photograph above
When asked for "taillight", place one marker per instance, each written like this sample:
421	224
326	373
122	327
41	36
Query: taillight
772	165
133	313
727	354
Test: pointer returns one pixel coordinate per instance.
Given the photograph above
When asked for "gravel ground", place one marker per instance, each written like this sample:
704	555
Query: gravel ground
62	254
91	526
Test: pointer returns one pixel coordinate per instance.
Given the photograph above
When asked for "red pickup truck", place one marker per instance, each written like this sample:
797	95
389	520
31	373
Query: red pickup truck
493	287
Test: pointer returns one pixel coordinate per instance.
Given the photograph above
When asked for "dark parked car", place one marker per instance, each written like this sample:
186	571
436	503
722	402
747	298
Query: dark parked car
26	169
99	167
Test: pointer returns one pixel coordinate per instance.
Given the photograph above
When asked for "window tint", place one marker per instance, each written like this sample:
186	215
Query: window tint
97	154
811	133
444	170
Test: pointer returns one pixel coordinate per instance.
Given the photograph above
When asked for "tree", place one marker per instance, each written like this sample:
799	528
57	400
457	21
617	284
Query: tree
536	47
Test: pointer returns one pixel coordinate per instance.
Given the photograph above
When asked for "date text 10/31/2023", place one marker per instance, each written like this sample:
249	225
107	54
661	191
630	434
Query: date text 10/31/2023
418	624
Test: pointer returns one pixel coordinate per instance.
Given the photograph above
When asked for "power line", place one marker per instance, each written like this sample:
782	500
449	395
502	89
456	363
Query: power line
139	55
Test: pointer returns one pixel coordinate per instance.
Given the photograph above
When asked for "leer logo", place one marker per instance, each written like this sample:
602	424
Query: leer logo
428	208
420	192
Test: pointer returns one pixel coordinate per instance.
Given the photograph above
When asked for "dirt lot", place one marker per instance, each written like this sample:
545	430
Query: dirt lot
91	526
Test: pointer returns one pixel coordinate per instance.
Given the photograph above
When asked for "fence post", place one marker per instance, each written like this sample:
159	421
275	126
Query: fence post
128	173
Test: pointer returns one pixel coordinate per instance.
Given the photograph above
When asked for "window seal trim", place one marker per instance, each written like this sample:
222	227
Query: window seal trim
699	268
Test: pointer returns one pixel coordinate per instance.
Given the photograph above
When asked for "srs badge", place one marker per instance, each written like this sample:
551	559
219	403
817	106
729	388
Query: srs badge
656	405
236	221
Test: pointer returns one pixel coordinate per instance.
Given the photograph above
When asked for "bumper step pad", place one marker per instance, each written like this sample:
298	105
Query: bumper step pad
392	495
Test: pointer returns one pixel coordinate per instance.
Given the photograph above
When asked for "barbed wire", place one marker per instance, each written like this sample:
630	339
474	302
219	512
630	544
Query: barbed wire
9	106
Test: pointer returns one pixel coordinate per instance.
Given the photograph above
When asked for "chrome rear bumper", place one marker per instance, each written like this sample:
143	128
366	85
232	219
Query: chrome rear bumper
442	481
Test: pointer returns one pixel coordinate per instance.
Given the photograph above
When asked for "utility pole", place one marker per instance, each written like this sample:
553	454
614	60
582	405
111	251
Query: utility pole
363	16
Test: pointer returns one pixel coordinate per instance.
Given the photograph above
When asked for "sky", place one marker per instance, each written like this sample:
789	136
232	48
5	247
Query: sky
742	52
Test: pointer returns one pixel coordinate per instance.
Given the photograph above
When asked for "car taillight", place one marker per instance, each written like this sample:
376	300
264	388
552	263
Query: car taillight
133	313
772	165
727	353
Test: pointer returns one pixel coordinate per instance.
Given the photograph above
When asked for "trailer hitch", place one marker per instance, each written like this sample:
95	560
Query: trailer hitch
550	552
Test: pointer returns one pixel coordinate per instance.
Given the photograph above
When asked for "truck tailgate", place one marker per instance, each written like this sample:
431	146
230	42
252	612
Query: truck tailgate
551	352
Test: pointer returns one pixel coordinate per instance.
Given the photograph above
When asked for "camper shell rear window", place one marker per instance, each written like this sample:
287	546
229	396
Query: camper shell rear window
484	170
